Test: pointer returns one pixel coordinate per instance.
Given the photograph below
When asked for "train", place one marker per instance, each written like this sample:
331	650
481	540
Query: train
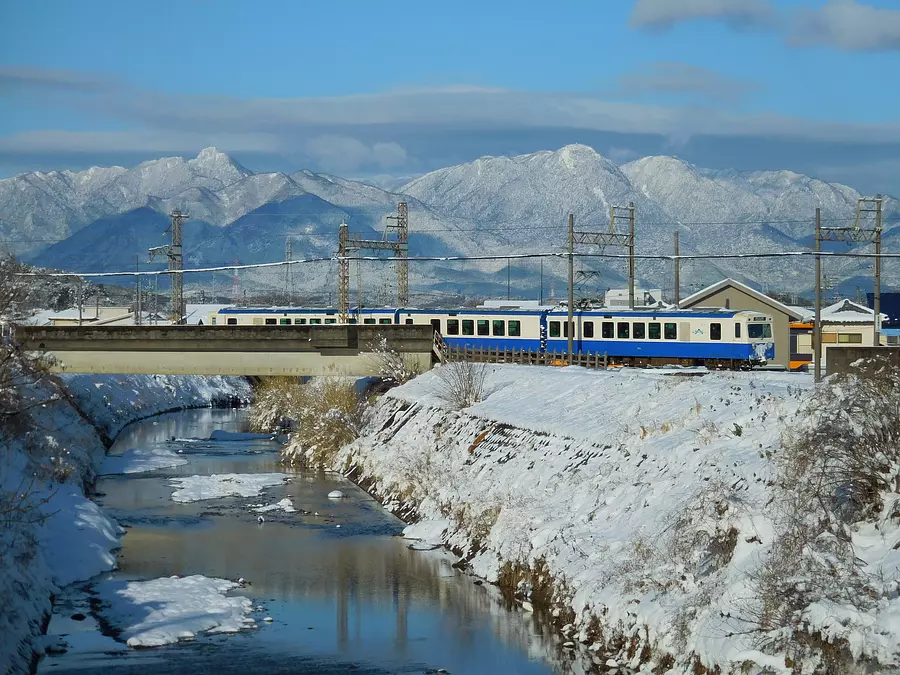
716	338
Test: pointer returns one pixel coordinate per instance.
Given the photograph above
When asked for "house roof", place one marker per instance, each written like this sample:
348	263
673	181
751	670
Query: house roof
701	295
847	311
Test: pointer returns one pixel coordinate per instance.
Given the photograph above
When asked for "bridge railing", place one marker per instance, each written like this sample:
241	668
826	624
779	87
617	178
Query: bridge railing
521	356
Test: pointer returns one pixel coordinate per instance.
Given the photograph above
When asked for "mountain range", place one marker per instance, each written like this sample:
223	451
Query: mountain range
105	219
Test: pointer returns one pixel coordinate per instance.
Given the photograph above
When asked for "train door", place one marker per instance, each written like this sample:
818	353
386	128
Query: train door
436	324
543	331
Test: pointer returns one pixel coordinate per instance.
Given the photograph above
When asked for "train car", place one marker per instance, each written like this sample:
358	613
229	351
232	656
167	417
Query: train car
716	338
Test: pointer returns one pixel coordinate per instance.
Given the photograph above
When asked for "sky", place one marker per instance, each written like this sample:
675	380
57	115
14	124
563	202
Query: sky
363	89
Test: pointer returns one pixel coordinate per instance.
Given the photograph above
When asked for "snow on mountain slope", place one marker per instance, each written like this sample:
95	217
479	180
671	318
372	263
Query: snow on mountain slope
540	188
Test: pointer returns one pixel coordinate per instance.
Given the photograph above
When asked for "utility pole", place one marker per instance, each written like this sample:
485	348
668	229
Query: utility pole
399	245
817	328
176	264
876	293
866	207
137	285
507	278
288	273
541	294
569	326
631	255
677	275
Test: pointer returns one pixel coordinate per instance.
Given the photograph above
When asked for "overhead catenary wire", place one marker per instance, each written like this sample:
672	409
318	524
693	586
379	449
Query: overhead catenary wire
468	258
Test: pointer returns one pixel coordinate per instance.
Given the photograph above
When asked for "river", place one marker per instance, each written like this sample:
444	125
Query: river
344	591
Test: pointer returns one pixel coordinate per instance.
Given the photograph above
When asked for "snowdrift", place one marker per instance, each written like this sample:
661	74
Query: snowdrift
638	505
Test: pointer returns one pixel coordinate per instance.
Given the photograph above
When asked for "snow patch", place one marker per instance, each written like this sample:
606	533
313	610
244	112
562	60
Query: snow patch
284	505
220	435
162	611
136	460
197	488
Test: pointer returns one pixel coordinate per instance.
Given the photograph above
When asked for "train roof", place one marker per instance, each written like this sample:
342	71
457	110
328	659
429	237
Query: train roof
482	311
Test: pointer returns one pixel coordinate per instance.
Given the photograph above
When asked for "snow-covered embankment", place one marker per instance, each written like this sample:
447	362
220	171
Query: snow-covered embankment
642	507
55	535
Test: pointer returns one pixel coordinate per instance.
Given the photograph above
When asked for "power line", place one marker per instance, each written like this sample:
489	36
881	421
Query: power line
472	258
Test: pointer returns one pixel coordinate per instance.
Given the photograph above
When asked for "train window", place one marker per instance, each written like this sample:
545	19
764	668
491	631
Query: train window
623	330
315	321
588	329
484	328
670	331
638	331
468	327
499	327
515	328
655	333
452	326
231	322
759	330
384	322
554	329
408	322
330	320
607	330
566	329
271	322
368	321
737	330
715	331
352	320
284	322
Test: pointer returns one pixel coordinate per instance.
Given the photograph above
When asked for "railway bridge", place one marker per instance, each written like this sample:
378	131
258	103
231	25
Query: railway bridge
311	350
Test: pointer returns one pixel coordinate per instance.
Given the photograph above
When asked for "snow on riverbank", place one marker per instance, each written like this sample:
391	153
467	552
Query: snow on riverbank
285	505
216	486
646	496
137	460
51	457
162	611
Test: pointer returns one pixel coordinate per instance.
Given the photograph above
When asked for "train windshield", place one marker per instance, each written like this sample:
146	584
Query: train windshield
759	330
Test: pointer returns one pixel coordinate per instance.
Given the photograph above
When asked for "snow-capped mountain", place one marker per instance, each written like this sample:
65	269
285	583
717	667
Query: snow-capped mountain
504	205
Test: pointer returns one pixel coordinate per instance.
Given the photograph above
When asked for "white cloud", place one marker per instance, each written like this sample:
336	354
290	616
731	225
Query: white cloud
344	153
663	14
848	25
684	79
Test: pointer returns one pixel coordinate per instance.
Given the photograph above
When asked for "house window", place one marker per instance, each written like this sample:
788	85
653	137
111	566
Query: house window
727	303
829	338
715	331
850	338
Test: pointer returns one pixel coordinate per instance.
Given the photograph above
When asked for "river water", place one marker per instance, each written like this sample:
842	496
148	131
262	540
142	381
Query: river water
345	592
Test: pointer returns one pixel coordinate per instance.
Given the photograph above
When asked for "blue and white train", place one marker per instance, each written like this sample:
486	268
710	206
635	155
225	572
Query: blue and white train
715	338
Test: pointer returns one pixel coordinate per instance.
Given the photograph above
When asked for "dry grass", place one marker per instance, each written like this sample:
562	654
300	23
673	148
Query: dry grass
462	383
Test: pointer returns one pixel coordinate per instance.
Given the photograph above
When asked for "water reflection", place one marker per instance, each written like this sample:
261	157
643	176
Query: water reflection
342	588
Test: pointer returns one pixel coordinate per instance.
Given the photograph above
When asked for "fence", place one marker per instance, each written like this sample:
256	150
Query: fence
521	356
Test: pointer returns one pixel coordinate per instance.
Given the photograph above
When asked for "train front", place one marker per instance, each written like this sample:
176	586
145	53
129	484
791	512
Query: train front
759	335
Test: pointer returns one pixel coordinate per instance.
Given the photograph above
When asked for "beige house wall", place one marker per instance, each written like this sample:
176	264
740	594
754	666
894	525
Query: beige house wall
733	298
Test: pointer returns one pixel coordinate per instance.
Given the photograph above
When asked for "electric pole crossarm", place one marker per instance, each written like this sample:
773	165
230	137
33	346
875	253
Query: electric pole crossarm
603	239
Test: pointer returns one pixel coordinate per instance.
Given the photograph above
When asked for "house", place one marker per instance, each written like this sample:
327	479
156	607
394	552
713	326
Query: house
731	294
844	324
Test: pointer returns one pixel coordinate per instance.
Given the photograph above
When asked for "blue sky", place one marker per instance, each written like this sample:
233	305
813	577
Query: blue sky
366	88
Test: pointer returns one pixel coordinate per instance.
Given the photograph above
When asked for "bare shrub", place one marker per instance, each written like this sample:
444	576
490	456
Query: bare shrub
462	383
839	465
393	367
328	413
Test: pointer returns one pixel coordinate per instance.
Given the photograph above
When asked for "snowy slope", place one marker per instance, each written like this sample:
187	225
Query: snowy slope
63	447
646	496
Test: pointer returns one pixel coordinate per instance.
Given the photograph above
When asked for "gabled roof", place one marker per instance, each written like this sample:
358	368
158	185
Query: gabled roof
701	295
847	311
